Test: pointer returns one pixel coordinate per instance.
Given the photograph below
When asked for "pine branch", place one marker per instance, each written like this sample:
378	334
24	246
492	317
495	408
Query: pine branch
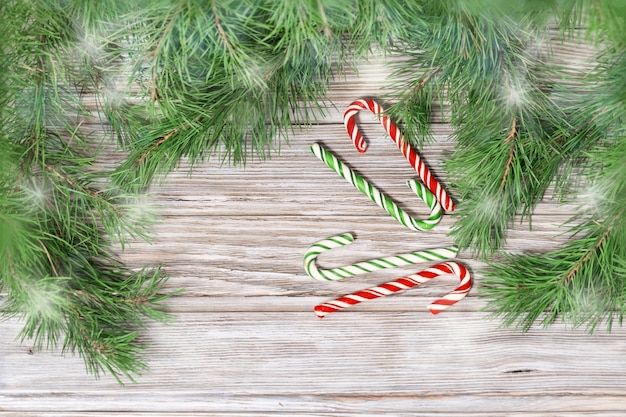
220	29
225	92
327	31
510	139
54	270
59	216
583	281
590	252
244	76
414	107
494	83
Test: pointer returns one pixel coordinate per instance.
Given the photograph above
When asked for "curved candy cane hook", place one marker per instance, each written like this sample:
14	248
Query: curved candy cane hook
349	119
343	239
405	283
380	198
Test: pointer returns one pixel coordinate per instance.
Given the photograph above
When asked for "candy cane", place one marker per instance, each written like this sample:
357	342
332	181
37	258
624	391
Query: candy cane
343	239
405	283
349	120
380	198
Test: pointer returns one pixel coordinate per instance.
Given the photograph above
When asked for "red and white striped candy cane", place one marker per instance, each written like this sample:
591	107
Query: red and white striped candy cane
349	120
405	283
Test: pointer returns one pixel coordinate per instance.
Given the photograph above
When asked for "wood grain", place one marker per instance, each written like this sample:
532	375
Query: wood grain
245	341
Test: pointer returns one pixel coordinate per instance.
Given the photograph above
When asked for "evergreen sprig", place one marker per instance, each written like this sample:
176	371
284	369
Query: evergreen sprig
60	214
228	76
237	76
583	282
507	105
522	123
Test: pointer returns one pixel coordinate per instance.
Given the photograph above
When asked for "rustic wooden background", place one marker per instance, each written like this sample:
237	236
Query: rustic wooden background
246	341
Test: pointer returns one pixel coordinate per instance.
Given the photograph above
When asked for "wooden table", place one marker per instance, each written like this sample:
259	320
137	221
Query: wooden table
246	341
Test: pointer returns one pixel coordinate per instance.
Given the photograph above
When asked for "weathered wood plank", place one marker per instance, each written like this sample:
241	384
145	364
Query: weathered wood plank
338	408
293	362
417	413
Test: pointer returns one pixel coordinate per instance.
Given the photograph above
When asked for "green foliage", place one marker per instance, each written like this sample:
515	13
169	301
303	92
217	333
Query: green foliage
195	78
237	76
510	113
61	215
584	281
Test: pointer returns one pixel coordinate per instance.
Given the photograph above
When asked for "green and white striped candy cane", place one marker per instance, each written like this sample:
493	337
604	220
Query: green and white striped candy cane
334	274
380	198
